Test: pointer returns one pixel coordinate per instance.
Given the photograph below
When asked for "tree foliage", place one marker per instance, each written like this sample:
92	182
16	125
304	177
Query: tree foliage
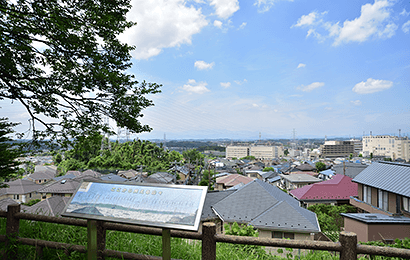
193	156
329	218
320	166
87	154
9	152
268	169
62	61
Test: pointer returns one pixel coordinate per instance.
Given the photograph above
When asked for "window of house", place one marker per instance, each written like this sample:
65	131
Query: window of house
367	194
406	204
16	196
277	234
30	195
383	200
289	235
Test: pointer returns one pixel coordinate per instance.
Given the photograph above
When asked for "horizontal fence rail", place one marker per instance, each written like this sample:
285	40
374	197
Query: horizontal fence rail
348	247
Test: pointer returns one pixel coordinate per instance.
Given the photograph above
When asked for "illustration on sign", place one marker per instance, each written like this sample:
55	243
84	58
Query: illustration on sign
155	205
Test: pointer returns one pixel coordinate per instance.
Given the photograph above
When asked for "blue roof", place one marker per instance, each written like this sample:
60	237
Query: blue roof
388	176
328	172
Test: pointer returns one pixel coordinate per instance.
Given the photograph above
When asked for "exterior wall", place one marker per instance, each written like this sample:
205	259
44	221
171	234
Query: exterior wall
265	152
357	227
334	149
374	196
274	250
237	151
366	207
387	231
392	202
360	191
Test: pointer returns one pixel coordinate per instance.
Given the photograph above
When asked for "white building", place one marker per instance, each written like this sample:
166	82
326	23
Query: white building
387	146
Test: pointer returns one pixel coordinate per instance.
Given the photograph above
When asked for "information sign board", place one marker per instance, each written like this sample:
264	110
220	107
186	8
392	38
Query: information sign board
165	206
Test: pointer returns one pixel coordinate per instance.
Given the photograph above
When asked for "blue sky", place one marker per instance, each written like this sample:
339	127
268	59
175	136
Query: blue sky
232	69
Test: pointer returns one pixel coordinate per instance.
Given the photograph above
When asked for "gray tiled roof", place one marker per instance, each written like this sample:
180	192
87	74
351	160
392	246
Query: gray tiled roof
302	177
112	177
350	169
62	186
260	201
52	206
212	197
20	187
8	201
392	177
283	216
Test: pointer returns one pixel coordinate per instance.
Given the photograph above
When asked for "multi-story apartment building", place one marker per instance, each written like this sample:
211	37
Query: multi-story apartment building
335	149
259	151
387	146
237	151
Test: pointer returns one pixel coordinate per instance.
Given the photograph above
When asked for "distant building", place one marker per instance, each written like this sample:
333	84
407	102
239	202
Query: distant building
335	149
387	146
237	151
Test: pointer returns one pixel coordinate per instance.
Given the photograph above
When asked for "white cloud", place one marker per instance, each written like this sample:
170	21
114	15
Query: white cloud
225	8
202	65
371	86
225	84
242	25
406	27
404	13
306	19
161	24
301	65
240	82
218	24
356	102
193	87
265	5
373	21
311	87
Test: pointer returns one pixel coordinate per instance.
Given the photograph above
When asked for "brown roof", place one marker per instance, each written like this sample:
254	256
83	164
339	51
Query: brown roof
8	201
63	186
52	206
234	179
20	187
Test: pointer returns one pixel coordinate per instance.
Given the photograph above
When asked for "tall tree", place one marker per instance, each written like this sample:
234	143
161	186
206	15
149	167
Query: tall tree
9	153
62	61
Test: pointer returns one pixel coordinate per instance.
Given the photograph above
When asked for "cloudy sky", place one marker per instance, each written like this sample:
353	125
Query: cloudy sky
232	69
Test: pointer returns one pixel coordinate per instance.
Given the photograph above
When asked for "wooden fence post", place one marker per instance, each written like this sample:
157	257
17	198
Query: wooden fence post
12	230
208	241
101	236
91	239
348	240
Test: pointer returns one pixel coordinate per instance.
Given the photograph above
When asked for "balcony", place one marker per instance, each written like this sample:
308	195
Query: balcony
367	207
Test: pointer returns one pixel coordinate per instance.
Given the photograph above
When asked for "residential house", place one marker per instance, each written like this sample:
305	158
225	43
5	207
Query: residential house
230	181
335	191
383	187
42	174
161	177
4	203
112	177
294	181
64	188
52	206
377	227
21	191
129	174
349	168
273	212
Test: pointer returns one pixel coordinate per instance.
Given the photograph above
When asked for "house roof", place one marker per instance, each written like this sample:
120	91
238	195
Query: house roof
8	201
128	174
63	186
339	188
52	206
328	172
376	218
234	179
260	201
388	176
350	169
300	178
90	173
67	176
269	174
161	177
212	197
305	167
112	177
20	187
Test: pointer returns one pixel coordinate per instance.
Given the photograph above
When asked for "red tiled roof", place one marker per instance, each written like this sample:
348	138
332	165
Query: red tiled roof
340	187
234	179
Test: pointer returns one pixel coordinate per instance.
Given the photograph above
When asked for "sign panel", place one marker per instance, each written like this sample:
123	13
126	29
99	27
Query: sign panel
169	206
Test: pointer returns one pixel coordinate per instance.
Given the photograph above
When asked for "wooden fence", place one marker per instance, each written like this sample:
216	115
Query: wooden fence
348	247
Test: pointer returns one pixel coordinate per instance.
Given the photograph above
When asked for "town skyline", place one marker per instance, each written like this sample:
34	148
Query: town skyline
235	69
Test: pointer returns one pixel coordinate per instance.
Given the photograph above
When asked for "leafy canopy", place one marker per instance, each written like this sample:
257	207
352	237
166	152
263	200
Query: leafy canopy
63	62
9	153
